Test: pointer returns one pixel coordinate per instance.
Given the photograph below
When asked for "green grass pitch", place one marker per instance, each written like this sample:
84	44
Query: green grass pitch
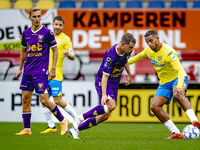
105	136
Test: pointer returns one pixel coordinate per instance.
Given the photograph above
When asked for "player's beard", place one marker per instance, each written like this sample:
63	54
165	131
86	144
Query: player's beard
57	31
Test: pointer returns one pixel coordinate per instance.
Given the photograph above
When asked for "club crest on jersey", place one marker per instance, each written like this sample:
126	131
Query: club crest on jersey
159	58
40	38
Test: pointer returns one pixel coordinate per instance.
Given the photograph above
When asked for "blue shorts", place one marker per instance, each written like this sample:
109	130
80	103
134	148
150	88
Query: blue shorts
166	89
55	88
38	82
111	92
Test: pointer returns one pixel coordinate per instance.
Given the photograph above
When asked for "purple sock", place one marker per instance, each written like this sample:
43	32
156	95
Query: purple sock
98	110
56	112
88	124
27	119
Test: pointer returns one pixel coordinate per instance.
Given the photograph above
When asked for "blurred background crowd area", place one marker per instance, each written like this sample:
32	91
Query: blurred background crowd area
100	4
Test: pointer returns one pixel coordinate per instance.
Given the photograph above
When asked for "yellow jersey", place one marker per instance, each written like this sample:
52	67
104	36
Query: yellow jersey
63	43
165	62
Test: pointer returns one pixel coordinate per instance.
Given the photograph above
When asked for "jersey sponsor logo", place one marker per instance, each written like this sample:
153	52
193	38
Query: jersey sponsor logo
117	70
34	54
55	88
154	62
173	57
34	47
116	75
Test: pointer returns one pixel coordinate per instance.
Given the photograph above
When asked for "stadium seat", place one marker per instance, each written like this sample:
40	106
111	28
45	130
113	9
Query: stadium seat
111	4
4	4
23	4
89	4
178	4
67	4
156	4
4	66
134	4
45	4
196	4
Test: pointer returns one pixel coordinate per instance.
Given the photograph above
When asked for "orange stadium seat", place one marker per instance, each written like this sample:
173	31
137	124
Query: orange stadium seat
45	4
4	4
23	4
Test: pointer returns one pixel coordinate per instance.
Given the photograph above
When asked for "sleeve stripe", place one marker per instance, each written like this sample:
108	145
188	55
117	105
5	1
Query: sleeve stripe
53	46
170	53
106	73
24	46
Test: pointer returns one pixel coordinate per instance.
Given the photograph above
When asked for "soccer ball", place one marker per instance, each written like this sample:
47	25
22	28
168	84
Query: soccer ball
191	132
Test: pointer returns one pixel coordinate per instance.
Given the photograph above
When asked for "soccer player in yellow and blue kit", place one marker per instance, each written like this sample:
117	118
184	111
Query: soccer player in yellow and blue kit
173	81
64	49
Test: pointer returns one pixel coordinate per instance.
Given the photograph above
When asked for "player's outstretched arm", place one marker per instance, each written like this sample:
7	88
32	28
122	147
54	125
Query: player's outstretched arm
137	58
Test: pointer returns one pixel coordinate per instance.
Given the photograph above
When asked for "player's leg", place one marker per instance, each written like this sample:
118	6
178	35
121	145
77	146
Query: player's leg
66	106
56	91
51	125
92	118
184	103
89	123
99	109
41	87
44	99
163	96
48	115
26	115
27	88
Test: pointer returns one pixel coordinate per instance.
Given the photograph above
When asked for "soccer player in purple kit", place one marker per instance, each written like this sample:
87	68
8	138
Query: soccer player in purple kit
107	84
36	43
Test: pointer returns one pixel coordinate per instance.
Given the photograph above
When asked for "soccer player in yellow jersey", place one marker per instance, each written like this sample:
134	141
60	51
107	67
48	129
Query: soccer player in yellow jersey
173	81
64	49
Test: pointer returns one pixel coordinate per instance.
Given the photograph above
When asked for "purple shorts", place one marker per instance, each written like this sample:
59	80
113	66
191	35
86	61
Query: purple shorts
38	82
111	92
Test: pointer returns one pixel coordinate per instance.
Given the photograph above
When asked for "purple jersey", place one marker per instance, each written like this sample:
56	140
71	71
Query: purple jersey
112	64
38	45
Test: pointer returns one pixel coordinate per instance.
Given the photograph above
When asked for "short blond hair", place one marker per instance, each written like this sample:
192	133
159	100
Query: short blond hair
33	10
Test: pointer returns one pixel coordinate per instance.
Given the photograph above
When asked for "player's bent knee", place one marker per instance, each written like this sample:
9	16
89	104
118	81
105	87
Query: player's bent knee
154	108
43	102
111	108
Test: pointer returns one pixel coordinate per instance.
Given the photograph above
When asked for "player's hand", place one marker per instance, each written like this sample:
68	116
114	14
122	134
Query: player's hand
20	37
180	93
52	74
104	100
129	78
18	73
66	52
